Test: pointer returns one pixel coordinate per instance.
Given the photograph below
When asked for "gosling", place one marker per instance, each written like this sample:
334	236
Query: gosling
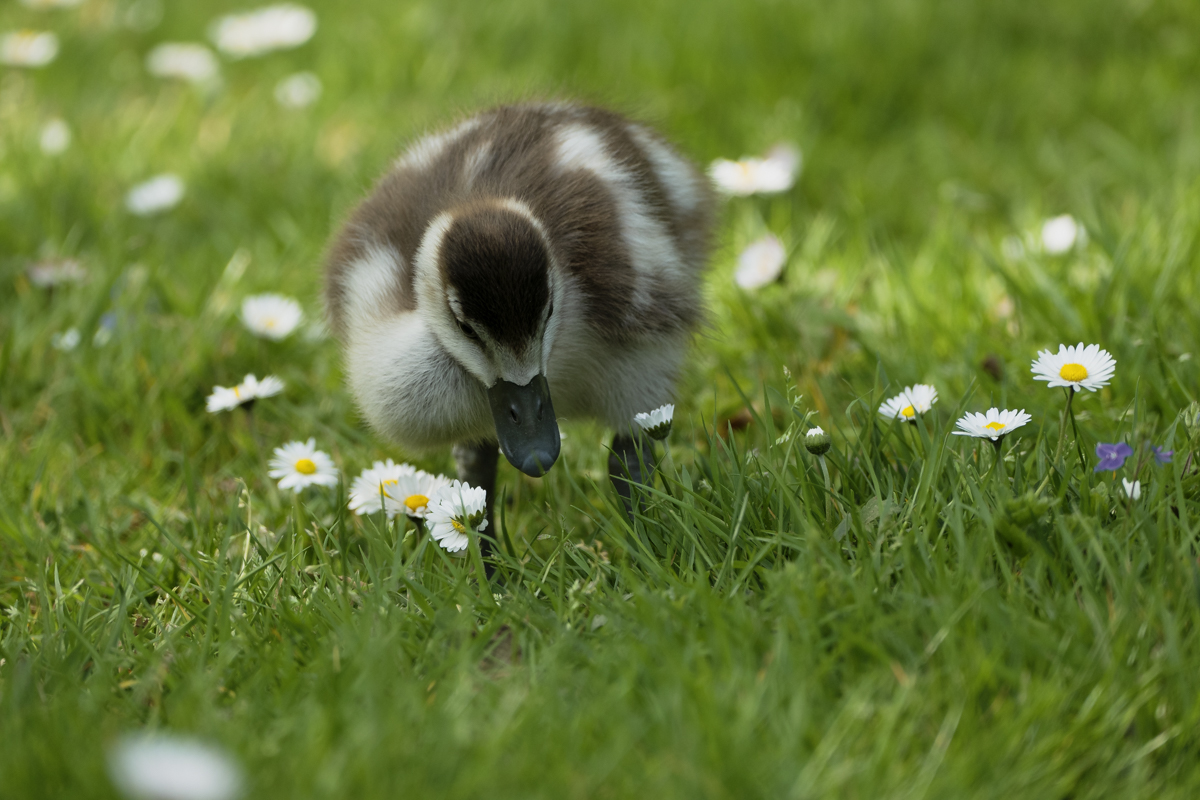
535	261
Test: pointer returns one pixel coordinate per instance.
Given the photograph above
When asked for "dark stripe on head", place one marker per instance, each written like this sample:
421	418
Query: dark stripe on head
498	265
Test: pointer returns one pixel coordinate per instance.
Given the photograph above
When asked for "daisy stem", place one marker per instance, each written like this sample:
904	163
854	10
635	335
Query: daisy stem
485	586
998	464
1062	425
828	492
1075	432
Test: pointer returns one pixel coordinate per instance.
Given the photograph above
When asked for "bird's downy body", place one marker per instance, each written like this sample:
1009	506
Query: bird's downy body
533	254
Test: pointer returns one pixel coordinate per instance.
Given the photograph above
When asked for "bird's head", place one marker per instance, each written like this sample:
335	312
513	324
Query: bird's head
486	285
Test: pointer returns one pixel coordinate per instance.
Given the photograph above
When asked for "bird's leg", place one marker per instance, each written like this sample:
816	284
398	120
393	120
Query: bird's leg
631	461
476	465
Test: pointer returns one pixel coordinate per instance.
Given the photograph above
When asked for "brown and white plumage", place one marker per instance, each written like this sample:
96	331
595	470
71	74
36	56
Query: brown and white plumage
539	239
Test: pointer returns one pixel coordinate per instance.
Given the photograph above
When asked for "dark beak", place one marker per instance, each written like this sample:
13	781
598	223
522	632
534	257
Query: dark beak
525	424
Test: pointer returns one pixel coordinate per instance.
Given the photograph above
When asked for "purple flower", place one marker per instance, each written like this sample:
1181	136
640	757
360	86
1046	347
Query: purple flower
1112	456
1162	456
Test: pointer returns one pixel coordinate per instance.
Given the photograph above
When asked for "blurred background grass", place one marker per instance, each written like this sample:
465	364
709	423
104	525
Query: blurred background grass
931	132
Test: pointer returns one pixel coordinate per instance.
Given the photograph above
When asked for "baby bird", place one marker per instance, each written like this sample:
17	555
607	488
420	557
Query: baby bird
534	262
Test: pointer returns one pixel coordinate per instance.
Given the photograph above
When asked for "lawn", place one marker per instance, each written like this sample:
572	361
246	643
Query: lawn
906	618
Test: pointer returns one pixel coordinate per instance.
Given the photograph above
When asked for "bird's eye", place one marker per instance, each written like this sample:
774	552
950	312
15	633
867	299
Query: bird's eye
468	331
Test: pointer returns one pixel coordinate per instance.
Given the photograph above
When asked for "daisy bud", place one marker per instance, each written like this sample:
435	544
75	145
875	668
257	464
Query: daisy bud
817	441
658	422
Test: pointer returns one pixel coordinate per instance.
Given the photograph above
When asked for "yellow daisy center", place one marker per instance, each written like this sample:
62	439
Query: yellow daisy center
1073	372
383	484
237	392
416	501
908	412
995	426
269	322
305	466
458	526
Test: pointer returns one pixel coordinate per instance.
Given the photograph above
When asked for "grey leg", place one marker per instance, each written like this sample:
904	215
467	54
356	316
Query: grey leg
626	468
476	465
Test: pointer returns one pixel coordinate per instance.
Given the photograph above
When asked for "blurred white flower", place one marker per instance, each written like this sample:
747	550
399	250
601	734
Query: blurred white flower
453	510
1059	234
43	4
271	316
67	340
656	423
298	465
1133	489
760	263
374	485
412	494
298	90
167	767
186	61
55	137
265	29
160	193
914	400
28	48
47	274
249	390
772	174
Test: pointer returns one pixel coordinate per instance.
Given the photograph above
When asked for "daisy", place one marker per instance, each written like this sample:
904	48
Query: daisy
1059	234
253	33
369	488
454	510
66	341
156	766
271	316
658	422
48	274
160	193
298	91
1078	367
55	137
775	173
412	494
994	425
817	441
914	400
186	61
298	465
246	392
1133	489
760	263
28	48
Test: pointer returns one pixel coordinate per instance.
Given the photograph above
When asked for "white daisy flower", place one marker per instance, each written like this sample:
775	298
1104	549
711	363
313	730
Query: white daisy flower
249	390
55	137
156	766
298	465
994	425
374	484
1078	367
185	61
453	510
760	263
658	422
1059	234
412	494
160	193
271	316
1133	489
51	273
914	400
65	341
28	48
775	173
253	33
298	90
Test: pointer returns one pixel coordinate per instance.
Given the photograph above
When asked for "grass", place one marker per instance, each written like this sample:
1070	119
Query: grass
927	629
